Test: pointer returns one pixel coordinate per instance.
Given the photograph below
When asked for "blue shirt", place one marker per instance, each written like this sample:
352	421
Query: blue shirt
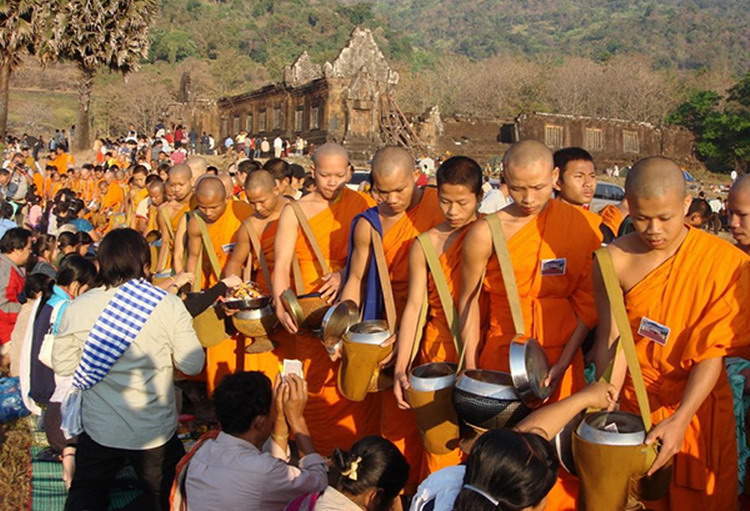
6	225
81	224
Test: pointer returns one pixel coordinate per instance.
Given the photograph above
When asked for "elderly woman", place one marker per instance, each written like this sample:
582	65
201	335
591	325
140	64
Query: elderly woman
121	341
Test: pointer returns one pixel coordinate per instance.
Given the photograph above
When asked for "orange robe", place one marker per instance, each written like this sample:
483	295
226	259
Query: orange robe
334	421
174	222
39	184
699	294
222	358
437	341
136	196
397	425
88	190
612	217
594	220
62	161
551	304
114	199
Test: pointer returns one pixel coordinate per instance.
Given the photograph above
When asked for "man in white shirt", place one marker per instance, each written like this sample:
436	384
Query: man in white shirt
278	147
232	471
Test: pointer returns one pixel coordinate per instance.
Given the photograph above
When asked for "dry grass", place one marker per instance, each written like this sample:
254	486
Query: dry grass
15	466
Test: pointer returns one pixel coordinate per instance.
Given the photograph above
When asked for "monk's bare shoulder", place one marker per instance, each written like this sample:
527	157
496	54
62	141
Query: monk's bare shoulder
478	237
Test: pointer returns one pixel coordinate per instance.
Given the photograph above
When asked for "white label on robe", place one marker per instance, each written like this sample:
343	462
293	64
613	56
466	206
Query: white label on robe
654	331
228	247
552	267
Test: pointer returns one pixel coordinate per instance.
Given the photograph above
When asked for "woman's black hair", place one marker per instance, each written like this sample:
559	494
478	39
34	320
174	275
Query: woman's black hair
84	238
67	239
123	255
75	268
240	398
38	283
14	239
372	462
515	469
39	245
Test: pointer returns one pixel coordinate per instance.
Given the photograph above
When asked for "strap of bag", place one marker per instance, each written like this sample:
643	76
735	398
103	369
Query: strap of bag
258	249
299	284
446	300
307	230
167	222
385	279
208	246
421	321
506	269
617	305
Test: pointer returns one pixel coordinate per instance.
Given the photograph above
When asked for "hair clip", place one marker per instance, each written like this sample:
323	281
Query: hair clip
351	472
483	493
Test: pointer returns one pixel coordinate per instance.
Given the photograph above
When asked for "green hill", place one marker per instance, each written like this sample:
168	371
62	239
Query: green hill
686	34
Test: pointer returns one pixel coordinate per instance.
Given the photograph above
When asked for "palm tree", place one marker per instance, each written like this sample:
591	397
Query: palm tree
22	26
97	33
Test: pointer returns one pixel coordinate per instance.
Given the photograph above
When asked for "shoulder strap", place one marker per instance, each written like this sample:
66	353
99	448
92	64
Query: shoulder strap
167	221
208	246
617	305
446	300
307	230
506	269
258	249
384	276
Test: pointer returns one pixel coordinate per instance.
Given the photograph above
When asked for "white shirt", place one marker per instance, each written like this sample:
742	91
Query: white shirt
231	473
278	143
715	205
133	407
493	201
141	209
442	486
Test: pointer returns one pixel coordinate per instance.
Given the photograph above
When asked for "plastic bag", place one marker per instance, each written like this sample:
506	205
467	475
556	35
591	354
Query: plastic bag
11	403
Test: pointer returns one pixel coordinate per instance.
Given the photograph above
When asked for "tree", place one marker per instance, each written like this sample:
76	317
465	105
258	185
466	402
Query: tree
101	33
721	125
22	25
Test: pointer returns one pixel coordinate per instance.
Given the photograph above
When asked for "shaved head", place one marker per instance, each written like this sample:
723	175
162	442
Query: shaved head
392	160
525	154
210	186
654	177
260	179
181	170
530	173
738	204
198	166
211	198
228	182
330	149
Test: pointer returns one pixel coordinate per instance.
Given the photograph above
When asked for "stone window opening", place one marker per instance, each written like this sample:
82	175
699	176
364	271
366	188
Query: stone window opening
630	143
299	115
593	139
277	118
553	136
315	117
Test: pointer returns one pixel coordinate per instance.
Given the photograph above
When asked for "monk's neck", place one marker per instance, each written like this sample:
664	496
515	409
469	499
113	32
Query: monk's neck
744	248
389	220
576	204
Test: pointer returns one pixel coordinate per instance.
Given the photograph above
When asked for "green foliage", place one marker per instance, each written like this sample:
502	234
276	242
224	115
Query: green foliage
172	46
721	126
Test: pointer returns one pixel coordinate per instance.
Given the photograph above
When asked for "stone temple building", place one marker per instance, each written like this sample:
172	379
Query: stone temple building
349	100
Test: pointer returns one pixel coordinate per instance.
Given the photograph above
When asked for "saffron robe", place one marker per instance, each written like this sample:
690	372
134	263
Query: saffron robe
698	294
612	217
551	303
334	421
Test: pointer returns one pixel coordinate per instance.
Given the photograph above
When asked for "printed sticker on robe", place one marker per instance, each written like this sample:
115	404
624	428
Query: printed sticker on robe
228	247
551	267
654	331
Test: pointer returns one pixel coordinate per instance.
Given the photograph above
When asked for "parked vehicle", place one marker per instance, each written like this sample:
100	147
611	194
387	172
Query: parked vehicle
605	194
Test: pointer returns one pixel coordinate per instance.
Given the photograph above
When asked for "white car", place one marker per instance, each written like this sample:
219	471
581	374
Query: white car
605	194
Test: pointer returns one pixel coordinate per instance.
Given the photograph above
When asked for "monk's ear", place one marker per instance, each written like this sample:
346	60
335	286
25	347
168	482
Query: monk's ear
415	175
556	178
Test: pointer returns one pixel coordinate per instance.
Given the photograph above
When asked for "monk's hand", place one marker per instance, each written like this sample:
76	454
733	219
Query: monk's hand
232	281
554	375
600	395
284	318
389	359
670	433
330	287
400	386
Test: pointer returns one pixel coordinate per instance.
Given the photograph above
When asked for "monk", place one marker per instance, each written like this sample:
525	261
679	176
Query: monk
265	199
576	185
137	192
403	212
179	192
683	290
334	421
460	192
551	245
223	219
88	183
114	199
156	197
62	160
739	212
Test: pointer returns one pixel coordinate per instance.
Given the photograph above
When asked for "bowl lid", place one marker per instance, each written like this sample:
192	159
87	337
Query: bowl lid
528	369
486	383
338	319
291	305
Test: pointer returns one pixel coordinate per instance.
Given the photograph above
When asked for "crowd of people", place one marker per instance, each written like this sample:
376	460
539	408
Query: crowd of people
116	277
